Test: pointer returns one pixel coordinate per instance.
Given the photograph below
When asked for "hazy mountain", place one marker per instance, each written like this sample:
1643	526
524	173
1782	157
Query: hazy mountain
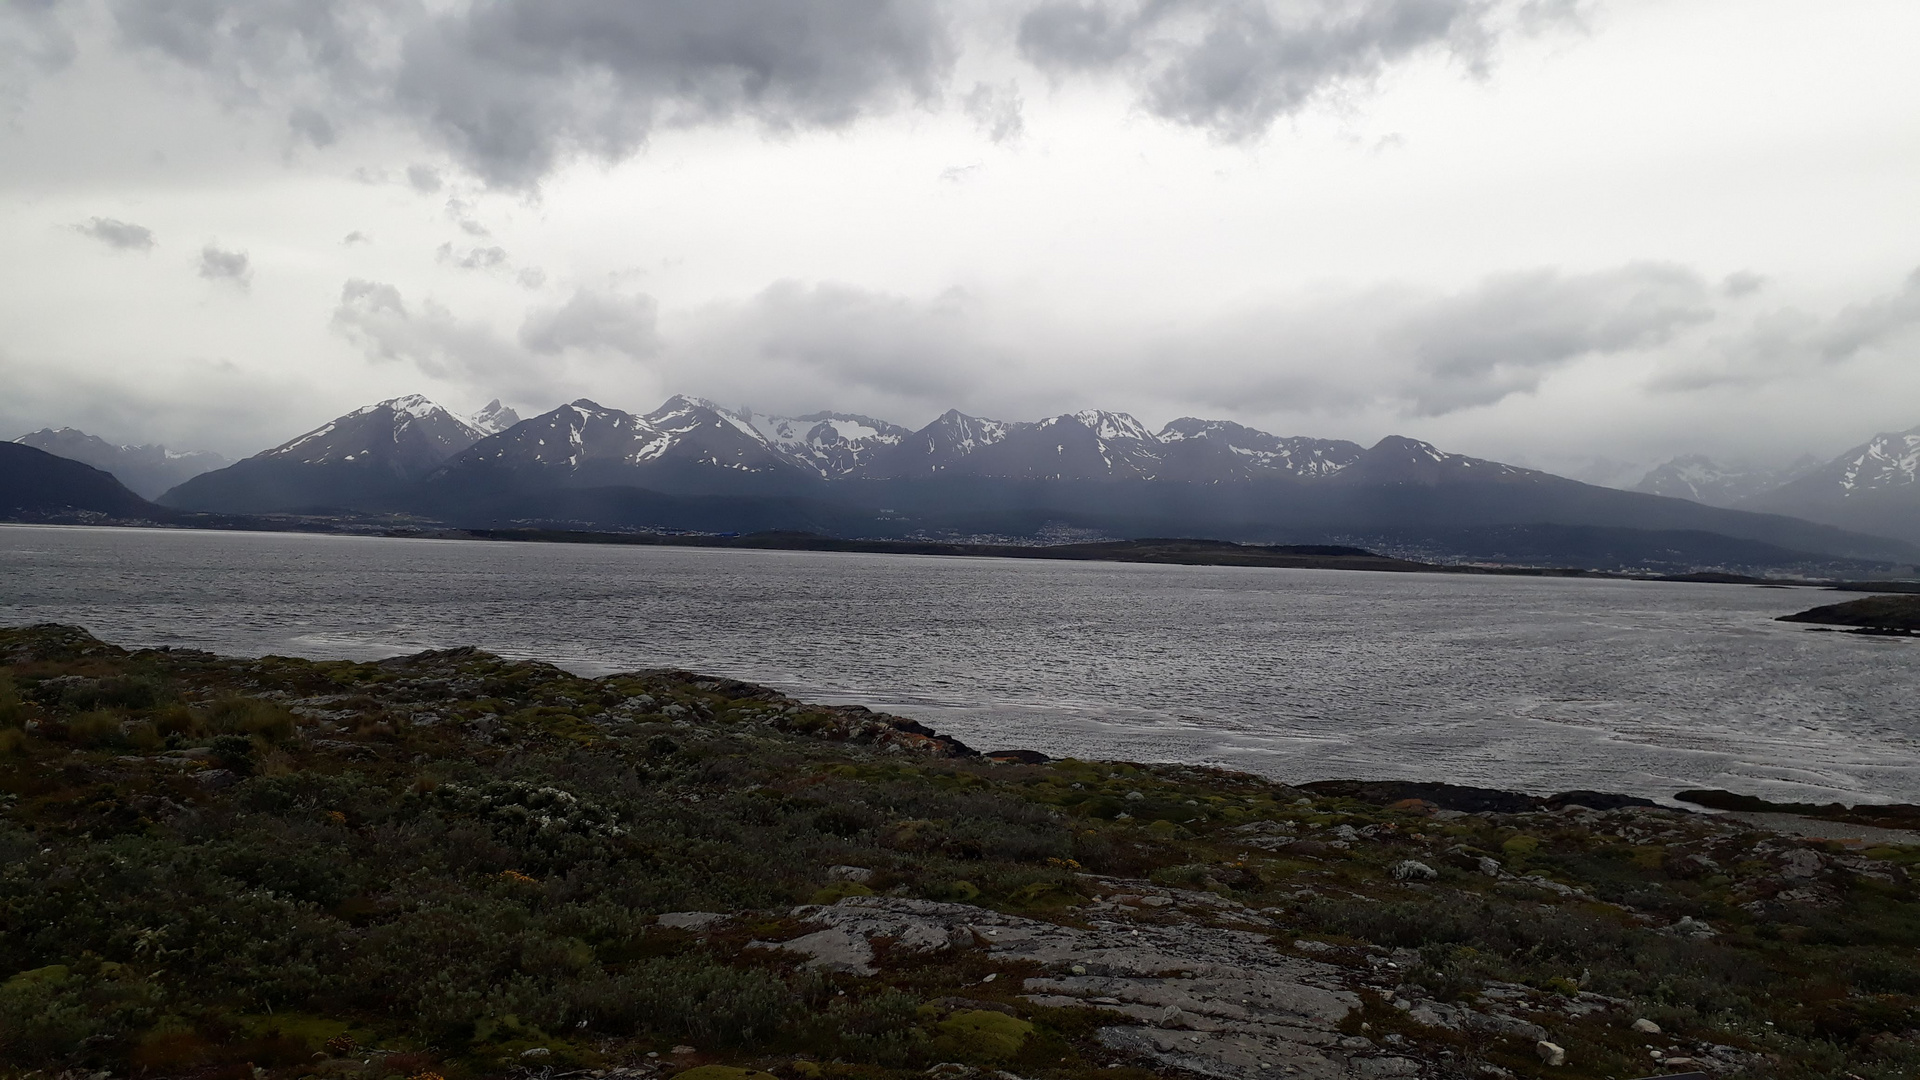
39	486
1700	478
1874	487
358	461
147	470
494	419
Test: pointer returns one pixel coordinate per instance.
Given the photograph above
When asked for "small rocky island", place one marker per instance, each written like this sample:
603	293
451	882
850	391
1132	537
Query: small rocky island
1899	614
452	865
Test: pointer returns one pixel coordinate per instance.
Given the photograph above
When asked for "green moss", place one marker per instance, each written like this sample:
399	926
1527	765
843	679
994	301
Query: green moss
981	1035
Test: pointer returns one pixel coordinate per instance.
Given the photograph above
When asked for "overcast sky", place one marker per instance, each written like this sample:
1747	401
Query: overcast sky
1578	236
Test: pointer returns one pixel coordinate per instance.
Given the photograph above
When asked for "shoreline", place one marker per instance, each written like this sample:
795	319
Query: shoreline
1152	551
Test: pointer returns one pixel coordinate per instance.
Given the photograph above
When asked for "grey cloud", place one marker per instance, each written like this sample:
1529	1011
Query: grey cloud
826	342
1233	67
1863	327
218	264
531	277
114	233
1505	336
356	237
375	318
424	178
488	258
1791	344
511	87
34	43
312	125
1422	354
995	111
1742	283
595	321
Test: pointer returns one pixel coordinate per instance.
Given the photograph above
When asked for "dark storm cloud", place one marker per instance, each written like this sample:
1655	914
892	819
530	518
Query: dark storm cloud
114	233
1232	67
595	321
219	264
511	87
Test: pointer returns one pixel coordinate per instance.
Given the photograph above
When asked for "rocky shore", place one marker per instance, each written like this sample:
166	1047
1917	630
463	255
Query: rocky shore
454	865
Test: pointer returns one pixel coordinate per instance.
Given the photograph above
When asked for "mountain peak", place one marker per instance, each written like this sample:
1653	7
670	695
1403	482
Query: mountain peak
494	418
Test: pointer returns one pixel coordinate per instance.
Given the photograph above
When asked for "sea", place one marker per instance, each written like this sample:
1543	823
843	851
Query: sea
1531	684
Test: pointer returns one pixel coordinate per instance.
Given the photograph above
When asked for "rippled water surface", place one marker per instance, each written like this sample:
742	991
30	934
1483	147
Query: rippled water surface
1300	674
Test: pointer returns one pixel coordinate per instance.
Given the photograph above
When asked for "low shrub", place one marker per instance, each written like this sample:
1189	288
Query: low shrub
250	716
97	728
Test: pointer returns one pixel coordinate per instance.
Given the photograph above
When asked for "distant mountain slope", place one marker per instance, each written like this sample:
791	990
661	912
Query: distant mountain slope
1874	487
38	486
362	460
1703	480
147	470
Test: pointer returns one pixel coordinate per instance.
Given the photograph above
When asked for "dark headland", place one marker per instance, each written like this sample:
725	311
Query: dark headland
1893	615
455	865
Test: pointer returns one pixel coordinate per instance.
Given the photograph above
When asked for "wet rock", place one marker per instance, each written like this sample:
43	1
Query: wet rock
1646	1027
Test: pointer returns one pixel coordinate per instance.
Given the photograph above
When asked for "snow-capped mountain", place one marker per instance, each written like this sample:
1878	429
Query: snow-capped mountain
1890	462
687	444
1700	478
408	436
494	418
937	448
1089	445
1213	450
834	444
693	464
358	460
1874	487
147	470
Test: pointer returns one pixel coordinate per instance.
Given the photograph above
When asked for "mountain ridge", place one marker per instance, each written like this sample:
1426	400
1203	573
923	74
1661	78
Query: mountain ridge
693	464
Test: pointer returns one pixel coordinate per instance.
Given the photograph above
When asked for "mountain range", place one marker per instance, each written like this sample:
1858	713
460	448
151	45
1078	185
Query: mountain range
1873	487
146	470
693	465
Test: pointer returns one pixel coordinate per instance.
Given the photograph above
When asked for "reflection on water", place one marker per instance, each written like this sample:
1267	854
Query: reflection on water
1299	674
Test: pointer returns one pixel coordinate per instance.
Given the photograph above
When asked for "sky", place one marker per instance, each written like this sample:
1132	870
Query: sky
1580	235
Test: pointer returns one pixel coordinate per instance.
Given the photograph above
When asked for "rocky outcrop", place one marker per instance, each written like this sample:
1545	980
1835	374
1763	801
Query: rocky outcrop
1215	1000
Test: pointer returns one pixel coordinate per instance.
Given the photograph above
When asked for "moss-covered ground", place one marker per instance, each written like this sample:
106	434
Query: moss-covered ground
452	865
